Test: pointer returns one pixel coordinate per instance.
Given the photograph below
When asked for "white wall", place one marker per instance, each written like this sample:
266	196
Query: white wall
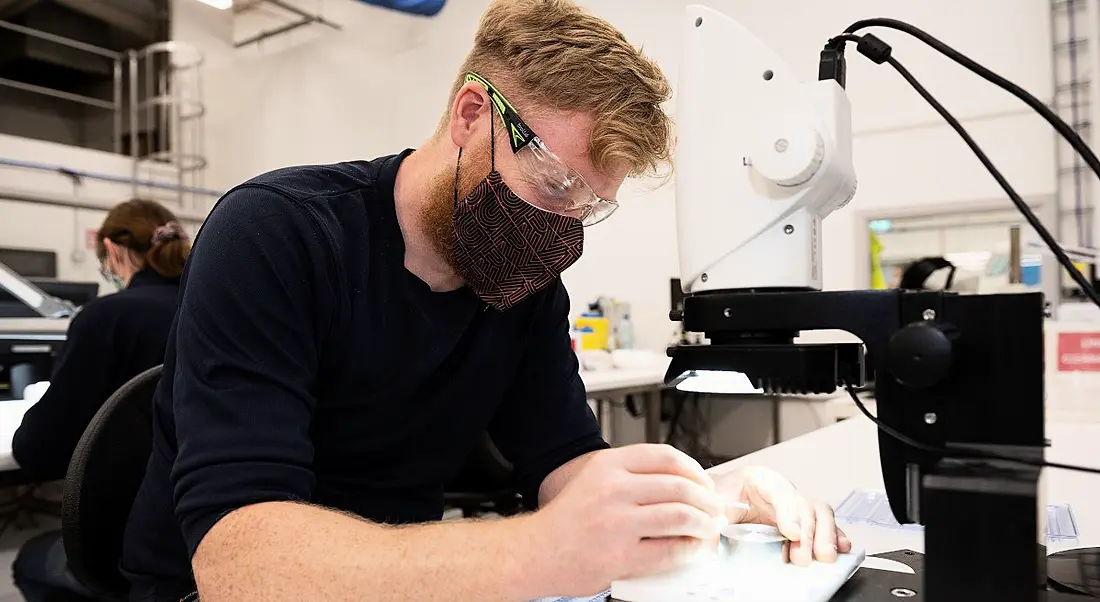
378	86
33	211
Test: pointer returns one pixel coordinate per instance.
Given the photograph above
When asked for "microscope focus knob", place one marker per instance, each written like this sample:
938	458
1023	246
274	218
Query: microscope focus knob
920	354
787	151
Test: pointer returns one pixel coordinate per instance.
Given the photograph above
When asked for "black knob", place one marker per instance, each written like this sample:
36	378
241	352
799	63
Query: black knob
676	315
920	354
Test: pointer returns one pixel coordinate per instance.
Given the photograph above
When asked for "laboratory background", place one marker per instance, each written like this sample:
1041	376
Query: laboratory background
178	101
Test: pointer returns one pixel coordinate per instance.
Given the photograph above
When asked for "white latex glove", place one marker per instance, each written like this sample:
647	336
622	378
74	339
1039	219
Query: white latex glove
773	500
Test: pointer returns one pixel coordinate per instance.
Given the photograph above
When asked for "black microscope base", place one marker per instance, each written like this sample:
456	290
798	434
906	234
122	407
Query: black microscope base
872	585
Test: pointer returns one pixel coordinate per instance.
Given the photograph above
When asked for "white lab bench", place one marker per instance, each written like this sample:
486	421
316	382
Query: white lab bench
614	384
11	416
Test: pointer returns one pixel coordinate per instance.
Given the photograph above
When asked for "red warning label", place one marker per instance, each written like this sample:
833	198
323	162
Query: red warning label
1079	351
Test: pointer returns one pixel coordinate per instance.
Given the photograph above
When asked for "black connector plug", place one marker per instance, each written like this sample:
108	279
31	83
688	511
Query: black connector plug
874	48
832	64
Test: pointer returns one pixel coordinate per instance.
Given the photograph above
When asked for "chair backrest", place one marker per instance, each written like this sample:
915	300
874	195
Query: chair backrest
104	475
485	469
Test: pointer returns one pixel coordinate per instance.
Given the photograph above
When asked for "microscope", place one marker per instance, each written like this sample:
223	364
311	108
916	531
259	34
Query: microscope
762	159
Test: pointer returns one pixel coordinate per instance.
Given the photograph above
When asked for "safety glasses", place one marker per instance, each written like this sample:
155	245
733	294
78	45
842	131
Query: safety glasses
555	186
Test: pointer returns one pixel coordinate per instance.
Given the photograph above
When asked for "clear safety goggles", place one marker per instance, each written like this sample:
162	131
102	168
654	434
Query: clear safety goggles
554	186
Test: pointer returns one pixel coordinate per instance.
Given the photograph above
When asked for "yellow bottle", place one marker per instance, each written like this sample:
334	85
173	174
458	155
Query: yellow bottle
594	330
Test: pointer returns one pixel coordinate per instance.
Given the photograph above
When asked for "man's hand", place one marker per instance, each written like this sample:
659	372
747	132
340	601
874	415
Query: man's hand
773	500
628	511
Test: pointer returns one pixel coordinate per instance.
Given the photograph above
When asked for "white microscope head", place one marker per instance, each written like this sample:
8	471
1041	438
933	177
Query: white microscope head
761	159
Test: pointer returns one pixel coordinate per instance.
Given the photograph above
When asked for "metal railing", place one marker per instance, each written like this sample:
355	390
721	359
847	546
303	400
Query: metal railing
156	106
114	105
166	102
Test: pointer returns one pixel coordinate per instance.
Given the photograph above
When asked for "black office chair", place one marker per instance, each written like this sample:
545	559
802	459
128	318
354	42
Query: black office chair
483	484
103	479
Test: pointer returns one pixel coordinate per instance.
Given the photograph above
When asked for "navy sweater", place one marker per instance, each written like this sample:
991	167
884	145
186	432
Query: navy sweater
111	340
307	363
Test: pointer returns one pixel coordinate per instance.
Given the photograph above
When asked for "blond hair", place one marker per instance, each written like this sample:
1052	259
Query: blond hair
553	54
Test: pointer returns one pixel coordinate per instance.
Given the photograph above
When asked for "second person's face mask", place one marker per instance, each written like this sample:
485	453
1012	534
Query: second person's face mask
505	248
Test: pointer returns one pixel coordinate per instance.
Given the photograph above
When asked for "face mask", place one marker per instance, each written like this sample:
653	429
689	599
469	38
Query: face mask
116	281
112	278
505	248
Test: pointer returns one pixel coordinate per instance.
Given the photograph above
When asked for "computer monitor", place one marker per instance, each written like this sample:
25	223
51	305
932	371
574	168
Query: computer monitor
30	263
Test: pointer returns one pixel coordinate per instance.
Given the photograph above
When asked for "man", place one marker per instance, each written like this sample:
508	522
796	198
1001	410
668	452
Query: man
347	332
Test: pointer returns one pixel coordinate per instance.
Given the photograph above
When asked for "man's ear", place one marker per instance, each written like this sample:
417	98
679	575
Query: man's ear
471	102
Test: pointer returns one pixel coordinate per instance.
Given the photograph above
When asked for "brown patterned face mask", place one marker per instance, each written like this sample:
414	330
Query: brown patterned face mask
506	248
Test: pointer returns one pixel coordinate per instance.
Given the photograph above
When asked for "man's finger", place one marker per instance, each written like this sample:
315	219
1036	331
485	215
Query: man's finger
649	458
825	544
650	489
675	520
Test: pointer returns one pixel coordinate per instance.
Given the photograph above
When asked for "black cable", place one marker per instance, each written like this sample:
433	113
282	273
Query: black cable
1022	206
699	433
688	427
674	422
985	73
950	450
846	37
879	52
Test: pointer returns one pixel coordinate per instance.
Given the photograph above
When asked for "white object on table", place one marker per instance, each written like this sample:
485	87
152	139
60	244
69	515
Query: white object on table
595	360
35	391
637	359
11	416
751	579
873	507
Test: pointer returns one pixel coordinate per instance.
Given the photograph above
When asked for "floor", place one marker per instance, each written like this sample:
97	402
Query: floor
10	541
23	528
